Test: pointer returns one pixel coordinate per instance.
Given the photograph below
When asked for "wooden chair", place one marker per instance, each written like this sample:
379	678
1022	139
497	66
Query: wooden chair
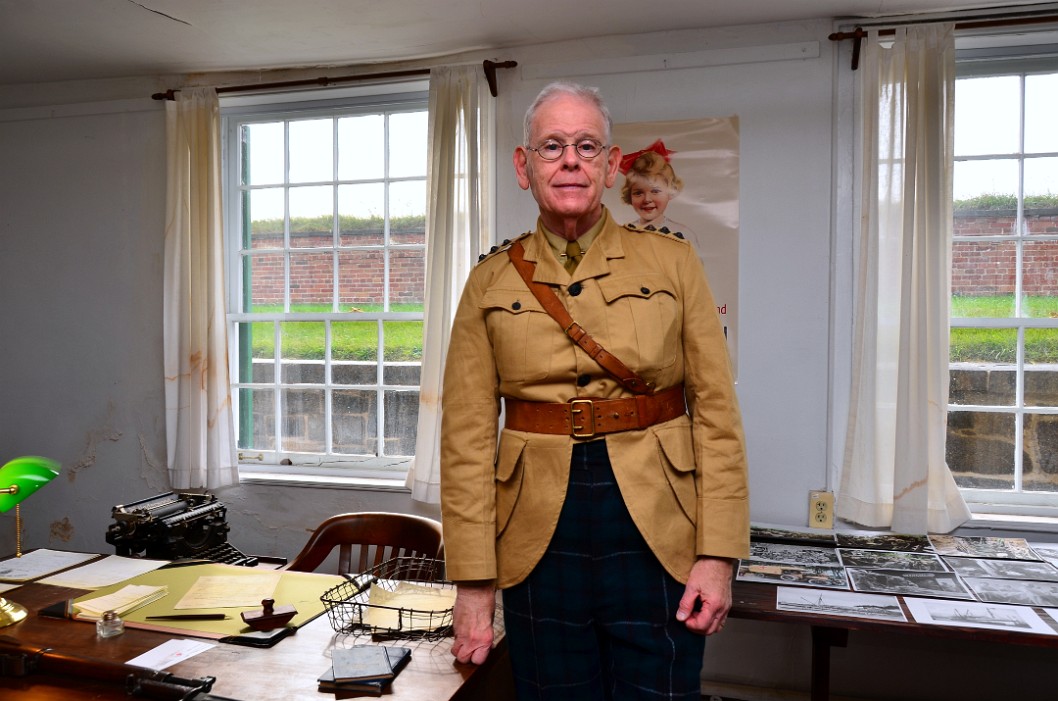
376	537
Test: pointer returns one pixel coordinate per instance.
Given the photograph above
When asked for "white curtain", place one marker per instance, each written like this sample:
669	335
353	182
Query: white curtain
894	473
198	419
458	227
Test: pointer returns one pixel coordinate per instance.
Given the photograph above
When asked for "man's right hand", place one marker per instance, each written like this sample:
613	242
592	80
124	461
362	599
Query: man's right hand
474	611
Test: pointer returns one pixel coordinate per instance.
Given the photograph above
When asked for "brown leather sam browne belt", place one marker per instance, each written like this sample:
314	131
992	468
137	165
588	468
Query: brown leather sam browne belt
586	418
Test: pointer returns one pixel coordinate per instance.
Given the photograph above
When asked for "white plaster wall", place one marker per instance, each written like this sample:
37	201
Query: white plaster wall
784	110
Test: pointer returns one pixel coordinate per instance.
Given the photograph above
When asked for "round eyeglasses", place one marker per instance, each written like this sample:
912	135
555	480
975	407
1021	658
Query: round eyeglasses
552	150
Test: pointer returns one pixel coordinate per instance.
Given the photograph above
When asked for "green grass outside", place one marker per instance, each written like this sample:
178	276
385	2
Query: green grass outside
1000	345
351	340
402	340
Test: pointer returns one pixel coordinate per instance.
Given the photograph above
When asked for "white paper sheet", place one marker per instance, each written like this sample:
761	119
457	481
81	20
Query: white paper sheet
40	563
939	612
103	573
169	653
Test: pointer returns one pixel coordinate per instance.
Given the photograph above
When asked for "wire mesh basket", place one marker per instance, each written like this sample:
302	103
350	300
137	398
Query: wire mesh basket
354	606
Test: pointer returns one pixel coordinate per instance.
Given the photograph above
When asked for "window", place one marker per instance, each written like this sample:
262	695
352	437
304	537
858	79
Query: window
1003	403
325	205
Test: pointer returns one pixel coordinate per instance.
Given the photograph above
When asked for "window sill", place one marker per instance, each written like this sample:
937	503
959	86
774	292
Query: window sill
321	478
1029	526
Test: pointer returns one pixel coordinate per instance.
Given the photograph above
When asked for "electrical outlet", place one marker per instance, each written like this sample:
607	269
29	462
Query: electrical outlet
820	510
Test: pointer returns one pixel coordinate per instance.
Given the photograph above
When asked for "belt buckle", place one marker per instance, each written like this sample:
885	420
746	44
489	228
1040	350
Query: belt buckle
586	407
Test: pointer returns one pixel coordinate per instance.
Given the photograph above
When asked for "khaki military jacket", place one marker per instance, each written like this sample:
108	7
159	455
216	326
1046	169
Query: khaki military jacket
644	297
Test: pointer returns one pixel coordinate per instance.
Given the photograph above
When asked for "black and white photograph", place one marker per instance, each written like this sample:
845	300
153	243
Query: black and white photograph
977	615
769	533
1014	591
794	554
885	541
983	546
878	607
1002	569
938	584
798	575
891	560
1048	552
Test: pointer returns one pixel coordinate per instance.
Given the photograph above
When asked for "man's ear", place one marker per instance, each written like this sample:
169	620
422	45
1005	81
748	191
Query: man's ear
521	166
613	163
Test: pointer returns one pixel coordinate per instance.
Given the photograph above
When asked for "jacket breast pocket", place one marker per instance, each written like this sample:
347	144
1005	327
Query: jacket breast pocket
510	466
647	304
521	332
677	455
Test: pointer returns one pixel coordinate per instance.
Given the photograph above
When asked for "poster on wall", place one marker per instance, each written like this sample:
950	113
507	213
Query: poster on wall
682	176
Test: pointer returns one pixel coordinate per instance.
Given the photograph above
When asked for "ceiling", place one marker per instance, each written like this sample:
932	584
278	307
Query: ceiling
58	40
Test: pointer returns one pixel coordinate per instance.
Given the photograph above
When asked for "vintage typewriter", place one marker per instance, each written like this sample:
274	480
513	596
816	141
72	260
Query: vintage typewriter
175	526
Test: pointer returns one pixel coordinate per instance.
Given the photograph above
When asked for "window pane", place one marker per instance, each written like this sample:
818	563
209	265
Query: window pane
257	419
361	147
311	216
407	280
303	351
982	386
354	372
355	422
986	185
407	145
987	115
402	417
1040	468
980	449
256	351
265	282
975	345
982	279
1041	367
354	341
303	422
1039	284
311	150
1041	114
361	209
407	212
264	212
1041	195
262	154
360	278
403	340
311	281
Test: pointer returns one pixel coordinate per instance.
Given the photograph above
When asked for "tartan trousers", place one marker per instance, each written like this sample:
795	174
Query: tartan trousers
596	619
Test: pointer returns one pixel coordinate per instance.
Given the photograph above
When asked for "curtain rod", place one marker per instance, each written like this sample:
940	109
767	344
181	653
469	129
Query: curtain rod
323	81
859	34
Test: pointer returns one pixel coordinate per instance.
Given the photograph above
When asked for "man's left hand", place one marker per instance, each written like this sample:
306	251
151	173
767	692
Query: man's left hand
710	584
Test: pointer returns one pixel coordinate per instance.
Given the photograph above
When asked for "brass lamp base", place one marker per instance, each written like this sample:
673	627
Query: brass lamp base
10	612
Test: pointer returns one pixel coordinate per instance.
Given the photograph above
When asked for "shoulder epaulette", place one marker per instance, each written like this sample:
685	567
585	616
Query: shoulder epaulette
650	229
503	246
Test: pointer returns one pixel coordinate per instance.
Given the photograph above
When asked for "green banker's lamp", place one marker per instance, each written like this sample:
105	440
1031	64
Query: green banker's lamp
18	479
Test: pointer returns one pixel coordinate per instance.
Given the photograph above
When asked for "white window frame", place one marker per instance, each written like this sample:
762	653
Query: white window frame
292	468
979	56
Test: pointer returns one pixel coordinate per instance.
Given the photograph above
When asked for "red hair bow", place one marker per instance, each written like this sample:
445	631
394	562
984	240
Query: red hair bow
657	147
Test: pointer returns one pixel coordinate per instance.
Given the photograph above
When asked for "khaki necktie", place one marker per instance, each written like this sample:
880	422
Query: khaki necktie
573	256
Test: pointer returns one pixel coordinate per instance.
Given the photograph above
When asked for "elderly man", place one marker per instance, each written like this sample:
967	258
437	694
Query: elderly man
613	503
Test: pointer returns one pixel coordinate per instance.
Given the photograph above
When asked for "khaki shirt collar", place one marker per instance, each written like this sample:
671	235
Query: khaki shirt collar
545	247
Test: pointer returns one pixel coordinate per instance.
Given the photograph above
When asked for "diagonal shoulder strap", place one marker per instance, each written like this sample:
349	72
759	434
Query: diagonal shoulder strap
553	306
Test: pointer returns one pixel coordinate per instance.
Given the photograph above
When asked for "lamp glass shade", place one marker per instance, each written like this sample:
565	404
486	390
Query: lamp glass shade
28	474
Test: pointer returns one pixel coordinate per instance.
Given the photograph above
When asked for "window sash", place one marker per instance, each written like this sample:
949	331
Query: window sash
376	463
1013	501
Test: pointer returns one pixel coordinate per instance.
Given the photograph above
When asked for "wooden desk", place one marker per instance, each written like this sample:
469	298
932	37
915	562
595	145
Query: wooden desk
285	672
756	601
